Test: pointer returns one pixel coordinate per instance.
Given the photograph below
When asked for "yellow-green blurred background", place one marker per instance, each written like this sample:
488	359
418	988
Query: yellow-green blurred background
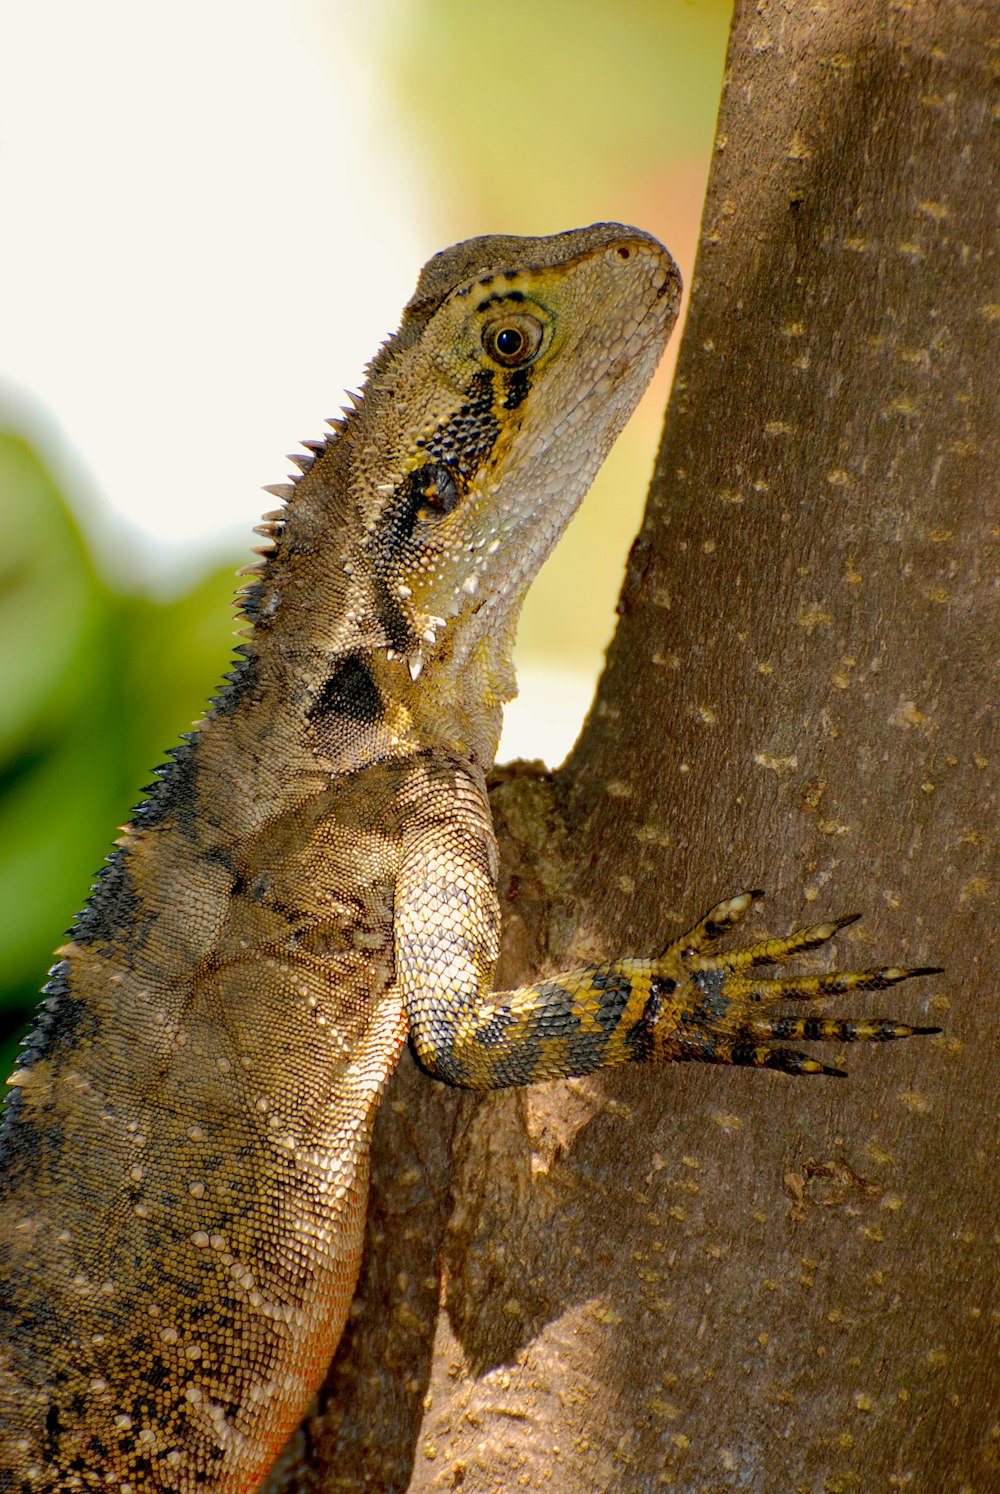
214	213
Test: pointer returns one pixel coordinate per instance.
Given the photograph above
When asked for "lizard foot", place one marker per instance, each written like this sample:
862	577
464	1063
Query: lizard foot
710	1005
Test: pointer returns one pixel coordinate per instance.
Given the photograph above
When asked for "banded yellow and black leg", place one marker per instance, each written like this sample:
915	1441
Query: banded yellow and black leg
686	1006
446	929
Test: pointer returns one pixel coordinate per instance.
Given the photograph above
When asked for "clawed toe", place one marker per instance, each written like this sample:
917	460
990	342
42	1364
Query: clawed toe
716	921
723	1021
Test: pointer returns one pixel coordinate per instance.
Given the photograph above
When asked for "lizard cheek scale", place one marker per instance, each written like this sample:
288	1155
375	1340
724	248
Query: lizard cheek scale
311	882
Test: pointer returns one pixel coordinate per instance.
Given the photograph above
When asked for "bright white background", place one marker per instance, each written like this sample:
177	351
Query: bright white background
212	141
212	220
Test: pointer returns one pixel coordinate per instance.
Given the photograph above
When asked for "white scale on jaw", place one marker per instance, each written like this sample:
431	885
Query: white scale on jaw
431	624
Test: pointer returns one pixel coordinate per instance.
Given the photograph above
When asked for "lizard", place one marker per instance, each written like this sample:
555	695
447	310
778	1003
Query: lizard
311	882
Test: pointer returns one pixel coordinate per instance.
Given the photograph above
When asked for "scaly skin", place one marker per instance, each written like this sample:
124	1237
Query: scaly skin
311	880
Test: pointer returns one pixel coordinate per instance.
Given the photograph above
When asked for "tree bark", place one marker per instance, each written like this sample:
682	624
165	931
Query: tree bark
706	1279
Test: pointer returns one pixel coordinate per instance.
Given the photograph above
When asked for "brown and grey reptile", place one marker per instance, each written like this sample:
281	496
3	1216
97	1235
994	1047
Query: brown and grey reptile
311	880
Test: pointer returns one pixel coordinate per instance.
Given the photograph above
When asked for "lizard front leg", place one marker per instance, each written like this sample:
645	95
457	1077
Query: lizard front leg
686	1005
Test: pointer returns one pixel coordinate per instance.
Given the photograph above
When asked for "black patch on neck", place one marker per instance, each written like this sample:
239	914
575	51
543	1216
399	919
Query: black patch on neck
442	492
517	389
349	694
431	490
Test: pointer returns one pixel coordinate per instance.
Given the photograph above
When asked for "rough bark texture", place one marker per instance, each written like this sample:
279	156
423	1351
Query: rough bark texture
703	1279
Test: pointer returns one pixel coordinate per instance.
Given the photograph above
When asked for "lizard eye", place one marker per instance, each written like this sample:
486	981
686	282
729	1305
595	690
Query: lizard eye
512	340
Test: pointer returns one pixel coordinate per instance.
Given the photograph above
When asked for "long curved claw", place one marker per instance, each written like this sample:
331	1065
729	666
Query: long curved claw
829	983
826	1030
784	1060
776	951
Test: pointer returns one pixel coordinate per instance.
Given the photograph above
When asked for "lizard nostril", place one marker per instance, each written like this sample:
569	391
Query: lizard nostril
624	253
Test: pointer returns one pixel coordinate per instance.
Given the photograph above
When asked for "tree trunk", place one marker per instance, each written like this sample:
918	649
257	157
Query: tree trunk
697	1278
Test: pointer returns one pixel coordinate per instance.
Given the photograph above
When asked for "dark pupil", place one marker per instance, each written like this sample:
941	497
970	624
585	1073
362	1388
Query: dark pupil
509	342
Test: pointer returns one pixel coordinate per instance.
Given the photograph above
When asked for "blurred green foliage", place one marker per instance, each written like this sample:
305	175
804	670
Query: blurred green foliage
94	685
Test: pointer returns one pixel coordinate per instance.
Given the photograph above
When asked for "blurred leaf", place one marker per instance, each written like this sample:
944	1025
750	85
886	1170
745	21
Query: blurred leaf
177	654
58	785
51	606
53	833
94	686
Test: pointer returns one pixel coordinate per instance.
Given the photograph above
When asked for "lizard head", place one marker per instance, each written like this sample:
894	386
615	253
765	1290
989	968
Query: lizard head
487	417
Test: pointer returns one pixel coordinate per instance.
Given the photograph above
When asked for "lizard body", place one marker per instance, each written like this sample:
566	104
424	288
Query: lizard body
312	880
